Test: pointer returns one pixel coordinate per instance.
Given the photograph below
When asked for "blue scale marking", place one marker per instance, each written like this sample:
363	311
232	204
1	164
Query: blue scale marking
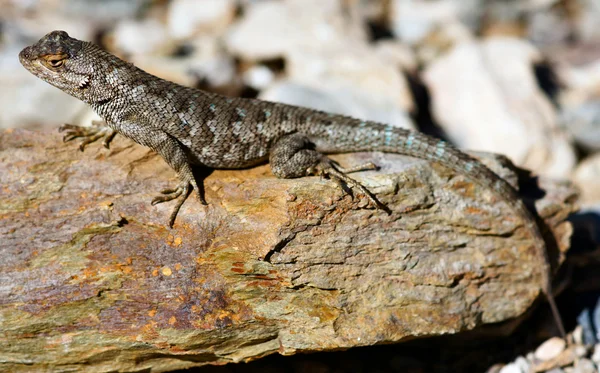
440	149
267	113
213	107
241	112
469	166
388	135
409	141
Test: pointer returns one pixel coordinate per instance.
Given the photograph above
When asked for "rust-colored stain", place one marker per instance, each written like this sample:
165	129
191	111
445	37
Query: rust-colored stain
474	210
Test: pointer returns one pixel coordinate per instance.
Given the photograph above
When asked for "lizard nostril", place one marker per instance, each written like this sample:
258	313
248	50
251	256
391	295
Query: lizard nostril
24	54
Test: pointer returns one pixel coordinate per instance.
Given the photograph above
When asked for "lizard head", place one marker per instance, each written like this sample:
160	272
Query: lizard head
59	60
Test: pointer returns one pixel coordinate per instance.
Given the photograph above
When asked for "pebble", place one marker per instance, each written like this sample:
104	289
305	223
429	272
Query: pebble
185	18
356	69
511	368
412	21
596	355
550	349
585	366
148	36
258	77
269	29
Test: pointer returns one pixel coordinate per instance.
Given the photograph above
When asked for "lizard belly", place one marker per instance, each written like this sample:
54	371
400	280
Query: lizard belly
238	155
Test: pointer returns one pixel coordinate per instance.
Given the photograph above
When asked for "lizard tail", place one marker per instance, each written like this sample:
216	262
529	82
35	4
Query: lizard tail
370	136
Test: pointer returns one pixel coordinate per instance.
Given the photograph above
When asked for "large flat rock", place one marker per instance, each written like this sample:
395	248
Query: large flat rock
92	279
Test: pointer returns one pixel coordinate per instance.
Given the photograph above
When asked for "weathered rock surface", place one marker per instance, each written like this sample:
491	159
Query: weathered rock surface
92	280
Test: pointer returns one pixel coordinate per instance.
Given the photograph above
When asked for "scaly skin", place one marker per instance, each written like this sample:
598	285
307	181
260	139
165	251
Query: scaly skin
189	127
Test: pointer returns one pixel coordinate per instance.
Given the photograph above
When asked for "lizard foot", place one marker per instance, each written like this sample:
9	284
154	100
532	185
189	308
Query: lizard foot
89	134
331	170
180	193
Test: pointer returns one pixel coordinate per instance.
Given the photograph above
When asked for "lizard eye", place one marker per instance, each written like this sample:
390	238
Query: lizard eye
55	61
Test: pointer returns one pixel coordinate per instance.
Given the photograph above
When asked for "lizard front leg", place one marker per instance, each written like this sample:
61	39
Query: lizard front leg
174	154
295	156
172	151
98	130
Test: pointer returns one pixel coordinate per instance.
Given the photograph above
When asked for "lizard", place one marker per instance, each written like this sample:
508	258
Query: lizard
189	127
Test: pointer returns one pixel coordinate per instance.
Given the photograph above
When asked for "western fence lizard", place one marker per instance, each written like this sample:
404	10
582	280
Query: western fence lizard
189	127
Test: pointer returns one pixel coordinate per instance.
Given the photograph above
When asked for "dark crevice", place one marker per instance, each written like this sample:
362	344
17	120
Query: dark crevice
249	92
422	115
547	81
183	50
277	65
278	247
379	31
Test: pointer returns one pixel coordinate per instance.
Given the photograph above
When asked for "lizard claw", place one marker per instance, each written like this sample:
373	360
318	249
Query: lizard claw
180	193
338	174
89	134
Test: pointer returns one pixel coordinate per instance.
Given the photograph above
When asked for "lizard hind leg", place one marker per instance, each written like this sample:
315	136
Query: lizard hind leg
294	156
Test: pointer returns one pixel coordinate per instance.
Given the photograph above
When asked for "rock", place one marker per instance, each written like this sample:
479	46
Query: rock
580	101
583	122
586	21
413	20
486	97
520	365
148	36
511	368
550	349
577	335
92	280
345	101
523	364
207	63
549	26
80	18
353	73
258	77
589	318
396	54
102	12
587	178
596	355
584	365
186	18
556	370
563	359
580	351
441	40
269	29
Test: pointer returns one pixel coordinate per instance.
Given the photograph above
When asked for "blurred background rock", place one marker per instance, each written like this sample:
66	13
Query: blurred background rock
517	77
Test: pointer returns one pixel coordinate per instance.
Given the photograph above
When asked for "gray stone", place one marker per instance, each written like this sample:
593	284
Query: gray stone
269	29
148	36
186	18
341	101
587	178
486	97
584	365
